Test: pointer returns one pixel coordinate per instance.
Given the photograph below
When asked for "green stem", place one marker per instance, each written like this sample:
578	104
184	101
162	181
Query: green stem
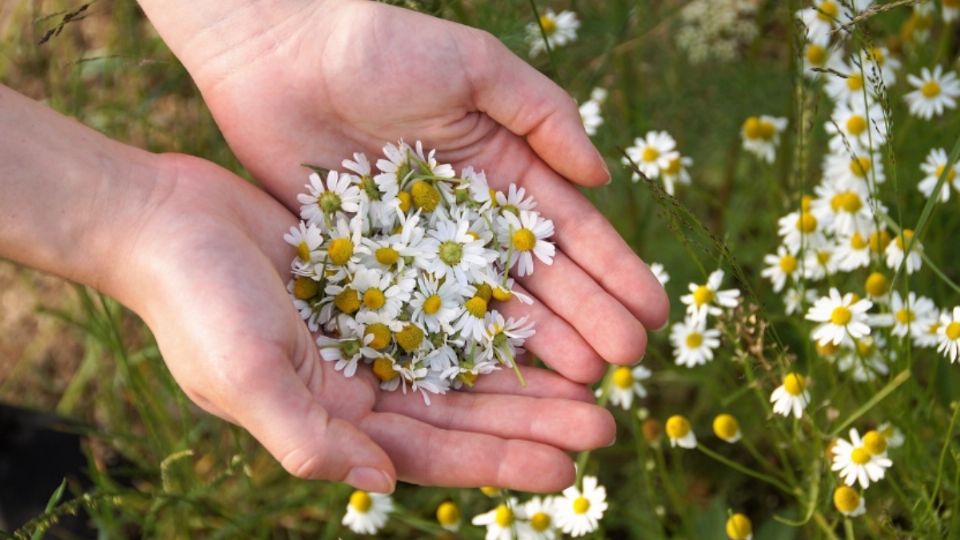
748	471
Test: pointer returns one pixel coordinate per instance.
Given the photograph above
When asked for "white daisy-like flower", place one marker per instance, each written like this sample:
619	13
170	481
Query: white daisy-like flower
892	433
842	318
559	29
458	253
693	343
652	153
448	516
504	338
395	170
933	168
911	316
801	229
761	136
864	361
390	253
471	323
895	252
625	385
949	335
382	293
500	522
929	335
816	57
935	92
791	397
856	462
305	292
707	298
726	427
879	59
428	164
843	207
435	305
848	502
918	26
590	111
856	126
680	432
795	298
862	167
852	252
540	515
852	82
660	273
676	173
346	352
307	239
820	262
820	20
514	200
527	236
780	267
367	512
579	511
324	202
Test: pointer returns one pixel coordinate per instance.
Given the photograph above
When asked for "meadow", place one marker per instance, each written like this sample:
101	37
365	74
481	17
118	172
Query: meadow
796	157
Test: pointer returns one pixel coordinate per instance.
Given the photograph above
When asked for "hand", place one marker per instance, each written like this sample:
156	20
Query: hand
292	82
209	246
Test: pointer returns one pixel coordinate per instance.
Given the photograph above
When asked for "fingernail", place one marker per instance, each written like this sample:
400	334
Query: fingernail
612	441
369	479
606	168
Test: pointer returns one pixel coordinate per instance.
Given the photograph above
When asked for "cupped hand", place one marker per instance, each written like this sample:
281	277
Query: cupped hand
211	265
315	81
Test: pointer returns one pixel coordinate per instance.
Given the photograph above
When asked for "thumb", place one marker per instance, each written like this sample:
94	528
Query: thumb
530	105
275	406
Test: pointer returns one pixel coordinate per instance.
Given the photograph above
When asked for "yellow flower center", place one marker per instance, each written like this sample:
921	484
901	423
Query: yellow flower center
847	201
581	505
739	527
303	251
524	240
468	378
828	11
387	256
347	301
425	196
806	223
406	201
905	316
484	291
805	203
650	154
751	127
854	82
383	369
548	24
361	501
860	456
904	239
490	491
846	499
879	241
540	521
860	166
432	304
448	514
703	295
794	384
953	331
788	264
673	167
726	426
866	346
503	516
340	251
305	288
876	54
623	378
450	252
677	427
501	294
823	256
374	298
841	315
816	55
381	335
875	442
858	242
951	174
930	89
828	349
694	340
476	306
877	284
410	337
856	124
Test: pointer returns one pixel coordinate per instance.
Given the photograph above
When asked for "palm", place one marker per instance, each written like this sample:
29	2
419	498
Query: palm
327	83
235	344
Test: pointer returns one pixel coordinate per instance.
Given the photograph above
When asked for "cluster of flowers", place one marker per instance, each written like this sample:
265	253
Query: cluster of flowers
576	512
398	266
717	29
656	156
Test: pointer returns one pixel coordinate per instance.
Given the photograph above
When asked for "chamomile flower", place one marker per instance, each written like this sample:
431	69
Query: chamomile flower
864	360
324	202
929	336
726	427
693	344
917	27
367	512
680	432
852	83
738	527
780	267
848	502
861	167
795	298
660	273
448	516
652	153
540	515
896	249
676	173
590	111
515	200
791	396
852	252
379	294
761	135
625	384
345	246
503	338
936	91
893	434
347	352
801	229
707	298
526	235
820	20
470	324
455	252
307	239
817	56
559	29
843	318
820	262
857	462
435	305
579	511
949	335
933	168
876	59
856	126
910	316
499	521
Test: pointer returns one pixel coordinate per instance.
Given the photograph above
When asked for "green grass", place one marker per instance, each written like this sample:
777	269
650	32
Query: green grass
195	476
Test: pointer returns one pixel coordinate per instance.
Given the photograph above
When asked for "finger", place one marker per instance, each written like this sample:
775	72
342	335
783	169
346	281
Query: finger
540	383
532	106
270	400
570	425
556	342
601	319
428	455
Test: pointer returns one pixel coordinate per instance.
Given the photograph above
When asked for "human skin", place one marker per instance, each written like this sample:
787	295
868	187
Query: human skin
197	253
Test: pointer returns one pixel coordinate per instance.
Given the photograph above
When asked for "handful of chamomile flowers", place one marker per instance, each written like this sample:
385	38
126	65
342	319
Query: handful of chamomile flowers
397	267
